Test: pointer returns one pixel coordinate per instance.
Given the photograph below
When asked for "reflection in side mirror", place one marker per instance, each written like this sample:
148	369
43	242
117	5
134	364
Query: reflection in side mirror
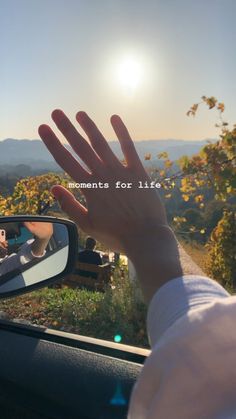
35	251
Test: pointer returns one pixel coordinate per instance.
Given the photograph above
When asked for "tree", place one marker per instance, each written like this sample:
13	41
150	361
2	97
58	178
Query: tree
211	172
221	263
31	194
215	165
208	175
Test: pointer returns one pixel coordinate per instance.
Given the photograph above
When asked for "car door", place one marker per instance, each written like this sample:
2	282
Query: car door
46	373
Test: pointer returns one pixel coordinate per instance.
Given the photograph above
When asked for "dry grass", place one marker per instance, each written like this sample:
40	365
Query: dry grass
197	252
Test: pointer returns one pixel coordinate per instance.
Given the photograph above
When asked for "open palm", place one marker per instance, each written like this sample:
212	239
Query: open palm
113	216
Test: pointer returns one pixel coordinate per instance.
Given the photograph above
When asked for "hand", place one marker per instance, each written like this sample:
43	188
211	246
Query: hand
42	232
40	229
116	217
3	249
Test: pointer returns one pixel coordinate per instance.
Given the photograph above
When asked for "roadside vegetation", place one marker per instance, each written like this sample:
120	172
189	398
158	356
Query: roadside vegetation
117	312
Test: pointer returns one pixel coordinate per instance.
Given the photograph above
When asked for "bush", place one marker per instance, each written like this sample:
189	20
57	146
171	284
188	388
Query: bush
221	262
94	314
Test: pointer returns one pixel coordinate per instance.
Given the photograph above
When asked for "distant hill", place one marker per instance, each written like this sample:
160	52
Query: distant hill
174	148
34	154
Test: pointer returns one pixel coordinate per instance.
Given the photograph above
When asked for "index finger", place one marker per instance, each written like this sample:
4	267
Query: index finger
77	142
62	156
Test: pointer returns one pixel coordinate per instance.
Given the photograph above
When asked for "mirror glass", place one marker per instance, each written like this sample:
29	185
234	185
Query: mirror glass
31	252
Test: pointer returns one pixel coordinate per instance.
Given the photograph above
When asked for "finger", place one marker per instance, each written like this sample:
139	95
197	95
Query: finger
77	142
68	203
97	140
127	145
62	156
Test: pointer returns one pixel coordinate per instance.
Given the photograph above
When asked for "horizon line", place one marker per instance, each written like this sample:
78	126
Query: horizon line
116	140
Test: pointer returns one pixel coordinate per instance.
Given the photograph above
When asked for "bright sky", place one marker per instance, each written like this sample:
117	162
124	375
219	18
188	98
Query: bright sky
147	60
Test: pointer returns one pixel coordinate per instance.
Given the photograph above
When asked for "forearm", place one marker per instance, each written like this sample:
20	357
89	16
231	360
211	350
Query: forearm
38	246
158	258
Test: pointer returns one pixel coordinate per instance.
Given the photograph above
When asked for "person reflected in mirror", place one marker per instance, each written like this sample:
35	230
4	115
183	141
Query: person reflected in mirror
34	248
191	318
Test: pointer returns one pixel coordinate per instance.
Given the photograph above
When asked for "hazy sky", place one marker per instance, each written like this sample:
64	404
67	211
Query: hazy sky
148	61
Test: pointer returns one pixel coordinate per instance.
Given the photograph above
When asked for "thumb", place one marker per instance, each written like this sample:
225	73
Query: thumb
68	203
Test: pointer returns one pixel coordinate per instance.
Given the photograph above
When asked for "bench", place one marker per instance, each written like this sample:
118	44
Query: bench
102	273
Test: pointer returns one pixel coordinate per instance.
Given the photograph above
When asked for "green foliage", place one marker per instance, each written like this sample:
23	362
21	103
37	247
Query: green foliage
94	314
213	212
222	251
30	195
208	175
122	312
215	166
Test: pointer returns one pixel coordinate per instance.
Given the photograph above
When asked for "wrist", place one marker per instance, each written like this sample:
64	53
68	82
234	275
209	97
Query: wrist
38	247
39	254
144	244
156	259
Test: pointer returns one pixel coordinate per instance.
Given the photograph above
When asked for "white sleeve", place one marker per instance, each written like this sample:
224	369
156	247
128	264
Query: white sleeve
191	326
15	260
176	298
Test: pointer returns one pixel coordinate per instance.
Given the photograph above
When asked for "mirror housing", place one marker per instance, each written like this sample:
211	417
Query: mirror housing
35	251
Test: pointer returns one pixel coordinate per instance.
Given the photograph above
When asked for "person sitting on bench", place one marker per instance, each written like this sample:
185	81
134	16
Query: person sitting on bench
90	256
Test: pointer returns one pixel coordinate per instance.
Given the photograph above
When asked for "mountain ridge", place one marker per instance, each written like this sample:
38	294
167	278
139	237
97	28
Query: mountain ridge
35	154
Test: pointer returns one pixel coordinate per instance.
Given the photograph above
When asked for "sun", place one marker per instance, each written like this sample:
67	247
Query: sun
130	73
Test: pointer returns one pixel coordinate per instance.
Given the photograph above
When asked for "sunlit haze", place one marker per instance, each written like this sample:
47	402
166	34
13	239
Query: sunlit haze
130	73
147	61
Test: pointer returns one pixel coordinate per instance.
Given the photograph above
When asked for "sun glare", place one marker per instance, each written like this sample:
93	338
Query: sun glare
130	73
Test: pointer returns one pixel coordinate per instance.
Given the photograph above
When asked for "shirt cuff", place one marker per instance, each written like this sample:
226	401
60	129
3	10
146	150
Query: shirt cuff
38	257
24	253
174	299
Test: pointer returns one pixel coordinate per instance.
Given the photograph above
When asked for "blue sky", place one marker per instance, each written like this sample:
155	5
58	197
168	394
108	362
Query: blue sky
68	54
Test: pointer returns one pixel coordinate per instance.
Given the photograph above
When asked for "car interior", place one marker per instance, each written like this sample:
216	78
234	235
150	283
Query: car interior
47	373
53	374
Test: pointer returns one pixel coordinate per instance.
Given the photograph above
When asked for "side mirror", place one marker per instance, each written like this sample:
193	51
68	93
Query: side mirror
35	251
